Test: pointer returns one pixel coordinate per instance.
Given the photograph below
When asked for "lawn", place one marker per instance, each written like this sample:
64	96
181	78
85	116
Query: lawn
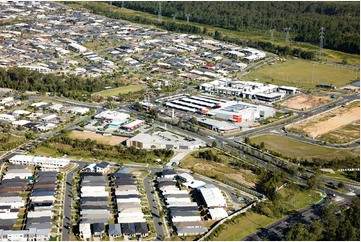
343	176
302	150
219	170
303	74
121	90
255	35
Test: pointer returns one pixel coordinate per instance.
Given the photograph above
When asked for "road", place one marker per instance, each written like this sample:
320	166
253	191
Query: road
158	224
65	235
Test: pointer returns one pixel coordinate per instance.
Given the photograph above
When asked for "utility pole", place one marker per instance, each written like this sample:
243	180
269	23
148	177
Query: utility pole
188	15
160	11
122	4
174	15
322	36
287	35
272	34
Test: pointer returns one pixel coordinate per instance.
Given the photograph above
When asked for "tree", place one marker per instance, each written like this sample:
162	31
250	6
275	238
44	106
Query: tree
247	140
314	182
218	35
214	143
340	185
262	145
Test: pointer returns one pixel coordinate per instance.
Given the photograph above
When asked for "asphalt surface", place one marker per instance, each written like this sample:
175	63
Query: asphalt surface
158	224
65	235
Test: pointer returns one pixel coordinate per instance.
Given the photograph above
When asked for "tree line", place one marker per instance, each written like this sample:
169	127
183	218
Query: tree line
336	224
98	150
340	19
75	87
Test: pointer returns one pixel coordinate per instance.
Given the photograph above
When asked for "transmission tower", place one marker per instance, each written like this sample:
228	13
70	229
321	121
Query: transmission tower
322	39
188	15
160	11
272	34
287	35
174	15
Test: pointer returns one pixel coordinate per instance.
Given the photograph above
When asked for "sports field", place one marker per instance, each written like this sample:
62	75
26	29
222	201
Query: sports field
109	140
302	150
303	74
121	90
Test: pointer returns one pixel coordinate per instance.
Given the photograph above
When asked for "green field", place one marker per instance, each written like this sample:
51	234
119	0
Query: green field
279	37
303	74
121	90
302	150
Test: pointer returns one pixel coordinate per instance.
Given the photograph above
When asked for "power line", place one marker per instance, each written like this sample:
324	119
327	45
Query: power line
272	35
287	35
160	11
322	39
188	15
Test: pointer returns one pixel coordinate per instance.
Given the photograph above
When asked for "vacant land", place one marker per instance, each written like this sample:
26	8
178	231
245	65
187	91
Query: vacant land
219	170
334	120
304	101
302	150
109	140
303	74
7	142
344	134
121	90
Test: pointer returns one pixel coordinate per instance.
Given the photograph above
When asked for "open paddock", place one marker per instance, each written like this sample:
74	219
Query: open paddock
109	140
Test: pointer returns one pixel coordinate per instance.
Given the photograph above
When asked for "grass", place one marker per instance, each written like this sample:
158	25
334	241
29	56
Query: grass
302	150
243	227
219	170
255	35
121	90
303	74
341	176
45	151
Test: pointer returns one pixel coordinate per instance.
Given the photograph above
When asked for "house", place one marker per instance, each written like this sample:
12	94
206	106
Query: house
170	174
45	127
85	230
7	117
97	229
115	230
102	167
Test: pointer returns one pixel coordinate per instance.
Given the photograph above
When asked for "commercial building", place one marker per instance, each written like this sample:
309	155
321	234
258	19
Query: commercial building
247	89
164	140
218	126
212	196
113	118
46	163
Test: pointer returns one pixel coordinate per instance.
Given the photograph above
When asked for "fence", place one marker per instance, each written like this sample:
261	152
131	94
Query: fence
245	189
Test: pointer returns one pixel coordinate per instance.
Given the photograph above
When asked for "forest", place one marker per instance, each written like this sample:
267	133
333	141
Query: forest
341	20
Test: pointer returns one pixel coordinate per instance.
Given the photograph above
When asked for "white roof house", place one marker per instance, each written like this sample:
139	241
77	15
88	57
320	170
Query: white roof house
21	112
212	196
79	110
7	117
21	173
20	122
85	230
217	213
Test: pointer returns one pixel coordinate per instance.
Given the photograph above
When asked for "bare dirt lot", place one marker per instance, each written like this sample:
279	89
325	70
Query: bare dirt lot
304	102
109	140
328	121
